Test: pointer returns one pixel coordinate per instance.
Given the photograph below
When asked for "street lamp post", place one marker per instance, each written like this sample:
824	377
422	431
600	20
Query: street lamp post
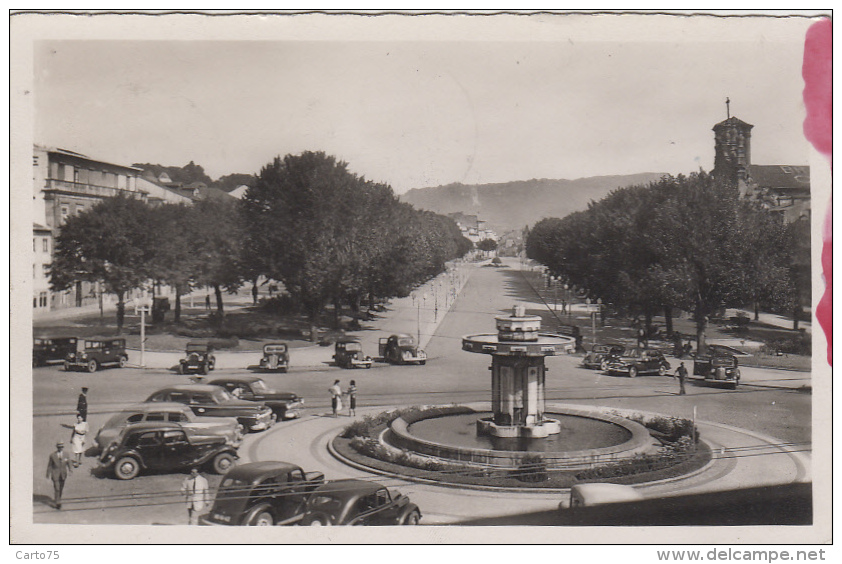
143	310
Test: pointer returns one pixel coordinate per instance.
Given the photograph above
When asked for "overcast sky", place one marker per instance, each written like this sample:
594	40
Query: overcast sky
540	98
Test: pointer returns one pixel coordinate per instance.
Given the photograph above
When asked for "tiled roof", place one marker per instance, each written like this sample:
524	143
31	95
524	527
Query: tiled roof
780	176
731	121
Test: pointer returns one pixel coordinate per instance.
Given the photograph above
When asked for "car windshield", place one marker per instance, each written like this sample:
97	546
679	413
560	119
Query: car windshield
220	395
408	342
324	502
119	419
600	349
353	347
233	488
274	349
259	385
634	353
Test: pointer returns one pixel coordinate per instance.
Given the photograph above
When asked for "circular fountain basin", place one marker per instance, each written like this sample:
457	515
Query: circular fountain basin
587	438
576	433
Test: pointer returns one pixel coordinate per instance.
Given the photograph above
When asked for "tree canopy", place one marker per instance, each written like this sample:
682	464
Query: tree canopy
686	242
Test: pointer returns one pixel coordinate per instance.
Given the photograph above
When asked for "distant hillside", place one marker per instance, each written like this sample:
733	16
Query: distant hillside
511	205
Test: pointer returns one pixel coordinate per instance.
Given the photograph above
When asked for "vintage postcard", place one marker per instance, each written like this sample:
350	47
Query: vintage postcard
475	278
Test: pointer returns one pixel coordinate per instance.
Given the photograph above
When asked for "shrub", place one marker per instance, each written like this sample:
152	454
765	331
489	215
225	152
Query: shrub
797	344
532	469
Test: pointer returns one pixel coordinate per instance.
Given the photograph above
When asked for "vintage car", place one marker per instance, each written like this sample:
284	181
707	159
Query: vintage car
51	349
91	354
275	357
717	366
198	359
600	355
401	349
348	353
262	494
176	413
586	495
358	502
285	405
160	446
639	361
216	401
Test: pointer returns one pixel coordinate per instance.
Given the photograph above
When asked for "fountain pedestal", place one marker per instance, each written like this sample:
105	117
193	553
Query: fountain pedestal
517	375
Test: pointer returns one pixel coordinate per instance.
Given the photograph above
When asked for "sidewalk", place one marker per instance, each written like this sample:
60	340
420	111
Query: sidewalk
413	314
772	319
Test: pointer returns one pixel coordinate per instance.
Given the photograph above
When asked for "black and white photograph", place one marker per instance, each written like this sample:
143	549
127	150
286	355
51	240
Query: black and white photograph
457	278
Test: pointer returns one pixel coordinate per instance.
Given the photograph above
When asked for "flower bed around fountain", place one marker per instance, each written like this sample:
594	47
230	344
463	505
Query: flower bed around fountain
383	443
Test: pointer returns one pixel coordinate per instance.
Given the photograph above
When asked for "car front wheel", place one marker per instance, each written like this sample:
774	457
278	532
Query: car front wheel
632	371
126	468
222	462
603	366
262	519
319	522
412	519
92	366
122	362
662	371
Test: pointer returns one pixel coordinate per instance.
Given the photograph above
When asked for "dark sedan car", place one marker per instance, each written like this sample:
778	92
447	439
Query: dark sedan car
165	447
215	401
401	349
262	494
358	502
639	361
51	349
285	405
275	357
600	355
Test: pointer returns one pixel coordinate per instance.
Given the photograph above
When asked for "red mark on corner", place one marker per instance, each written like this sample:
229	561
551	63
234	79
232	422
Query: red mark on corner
818	129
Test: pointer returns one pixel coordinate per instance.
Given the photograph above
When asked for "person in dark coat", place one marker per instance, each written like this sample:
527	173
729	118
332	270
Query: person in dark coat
681	374
82	404
58	468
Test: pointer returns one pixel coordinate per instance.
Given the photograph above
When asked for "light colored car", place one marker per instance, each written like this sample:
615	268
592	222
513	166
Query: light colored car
195	426
586	495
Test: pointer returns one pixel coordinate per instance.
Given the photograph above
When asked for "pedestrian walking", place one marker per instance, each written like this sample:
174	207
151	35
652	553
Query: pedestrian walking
207	302
681	373
641	337
254	294
58	468
82	404
78	438
352	398
195	489
335	398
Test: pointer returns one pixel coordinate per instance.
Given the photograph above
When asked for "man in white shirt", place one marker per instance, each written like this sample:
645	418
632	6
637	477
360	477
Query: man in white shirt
195	489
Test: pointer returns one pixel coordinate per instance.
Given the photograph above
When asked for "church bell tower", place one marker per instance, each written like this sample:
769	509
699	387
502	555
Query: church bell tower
733	148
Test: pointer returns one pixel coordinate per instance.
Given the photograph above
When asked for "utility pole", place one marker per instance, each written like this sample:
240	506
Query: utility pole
143	310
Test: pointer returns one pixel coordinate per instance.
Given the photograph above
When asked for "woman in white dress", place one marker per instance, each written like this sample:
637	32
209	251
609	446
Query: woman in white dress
78	438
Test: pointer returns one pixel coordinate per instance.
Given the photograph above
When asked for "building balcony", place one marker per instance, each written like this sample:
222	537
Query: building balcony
83	189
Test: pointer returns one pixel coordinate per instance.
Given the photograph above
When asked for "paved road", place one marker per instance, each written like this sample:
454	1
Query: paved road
768	408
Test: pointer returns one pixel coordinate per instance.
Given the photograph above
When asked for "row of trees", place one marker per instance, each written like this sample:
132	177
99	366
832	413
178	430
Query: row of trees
328	235
684	242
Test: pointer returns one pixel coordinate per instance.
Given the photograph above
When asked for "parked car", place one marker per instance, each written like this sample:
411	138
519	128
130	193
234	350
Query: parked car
586	495
601	354
91	354
639	361
198	359
358	502
285	405
215	401
51	349
717	367
275	357
262	494
348	353
401	349
176	413
160	446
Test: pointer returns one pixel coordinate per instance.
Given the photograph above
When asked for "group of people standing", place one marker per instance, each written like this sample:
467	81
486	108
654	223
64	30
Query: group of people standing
336	398
59	464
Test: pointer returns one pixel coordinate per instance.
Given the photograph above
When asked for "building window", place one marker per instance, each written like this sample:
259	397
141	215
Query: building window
34	244
80	208
46	245
45	268
65	212
42	299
